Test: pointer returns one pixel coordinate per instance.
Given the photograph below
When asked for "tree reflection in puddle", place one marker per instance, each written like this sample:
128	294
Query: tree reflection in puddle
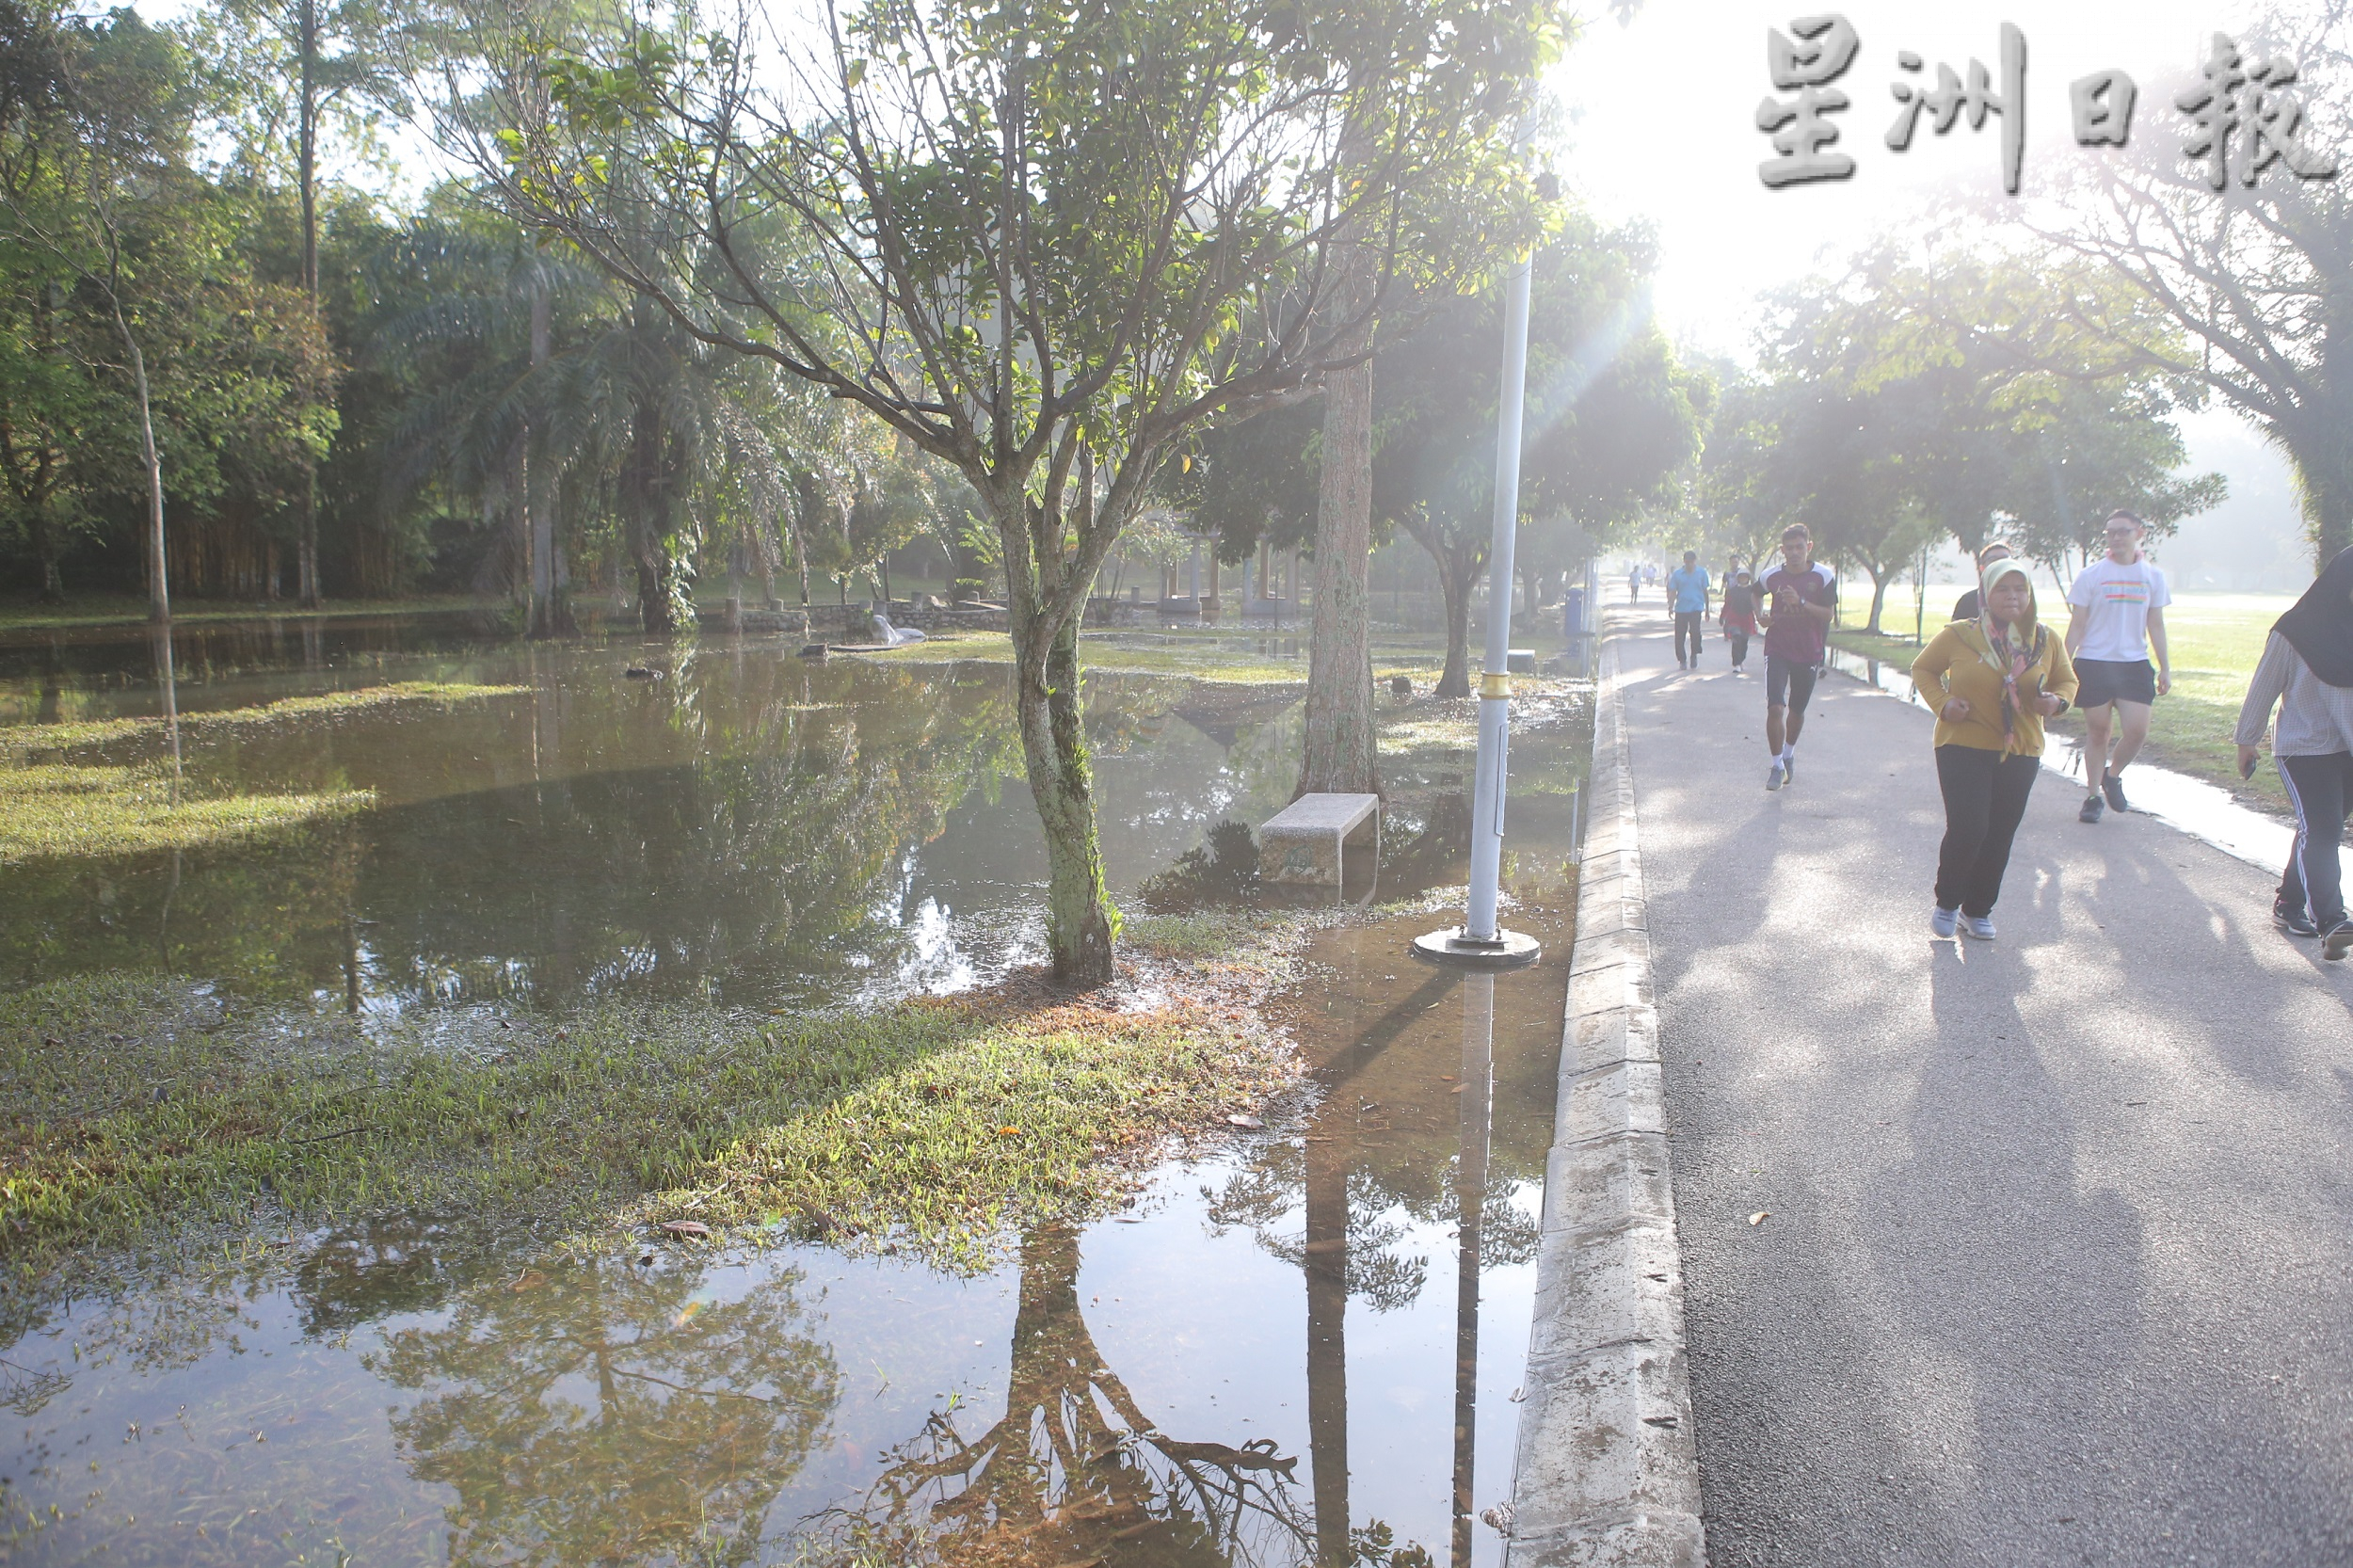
1260	1364
1074	1470
1265	1368
610	1411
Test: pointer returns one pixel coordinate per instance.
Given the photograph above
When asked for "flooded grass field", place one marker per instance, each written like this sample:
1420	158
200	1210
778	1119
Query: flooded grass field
1296	1340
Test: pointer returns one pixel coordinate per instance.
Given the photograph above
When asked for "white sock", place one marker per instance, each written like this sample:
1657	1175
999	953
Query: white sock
1789	752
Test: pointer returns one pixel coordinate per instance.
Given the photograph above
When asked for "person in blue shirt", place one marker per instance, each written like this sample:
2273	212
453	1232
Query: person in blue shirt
1687	585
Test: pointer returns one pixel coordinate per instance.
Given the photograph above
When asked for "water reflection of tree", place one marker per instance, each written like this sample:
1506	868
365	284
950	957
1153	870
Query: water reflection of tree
1336	1206
781	829
605	1413
1074	1470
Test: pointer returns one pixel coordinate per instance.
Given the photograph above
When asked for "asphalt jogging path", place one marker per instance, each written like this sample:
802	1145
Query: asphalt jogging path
2058	1266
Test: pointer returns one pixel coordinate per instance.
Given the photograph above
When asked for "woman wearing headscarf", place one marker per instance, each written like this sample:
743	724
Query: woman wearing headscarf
1992	681
2306	670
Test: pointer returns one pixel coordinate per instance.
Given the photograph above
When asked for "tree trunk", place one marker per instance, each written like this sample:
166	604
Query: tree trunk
1080	924
47	547
307	540
1460	563
158	587
1456	587
538	495
307	110
642	487
519	502
1340	751
2324	472
1879	597
1325	1264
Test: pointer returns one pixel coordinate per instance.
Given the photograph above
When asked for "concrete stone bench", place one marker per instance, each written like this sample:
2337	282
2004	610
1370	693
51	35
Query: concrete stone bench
1302	844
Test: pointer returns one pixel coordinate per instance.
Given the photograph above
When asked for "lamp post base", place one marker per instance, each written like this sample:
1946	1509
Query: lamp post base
1511	949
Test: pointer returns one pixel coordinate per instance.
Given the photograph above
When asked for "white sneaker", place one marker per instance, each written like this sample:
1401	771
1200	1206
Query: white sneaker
1979	926
1790	769
1776	778
1944	920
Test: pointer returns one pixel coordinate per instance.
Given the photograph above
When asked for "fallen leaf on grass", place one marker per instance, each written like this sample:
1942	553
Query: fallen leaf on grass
686	1228
1008	1132
1760	1216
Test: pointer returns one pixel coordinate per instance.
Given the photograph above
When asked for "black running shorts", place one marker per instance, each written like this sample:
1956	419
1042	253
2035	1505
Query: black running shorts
1787	682
2106	681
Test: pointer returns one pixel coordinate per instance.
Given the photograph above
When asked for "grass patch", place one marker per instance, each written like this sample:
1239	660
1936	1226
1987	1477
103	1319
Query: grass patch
1205	656
52	807
1875	644
1201	934
22	742
56	810
139	1111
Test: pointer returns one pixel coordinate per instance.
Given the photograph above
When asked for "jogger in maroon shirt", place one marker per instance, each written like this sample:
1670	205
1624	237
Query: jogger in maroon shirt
1795	603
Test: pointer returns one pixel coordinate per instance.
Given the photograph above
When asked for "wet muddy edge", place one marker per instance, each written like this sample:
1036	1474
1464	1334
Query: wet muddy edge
1607	1467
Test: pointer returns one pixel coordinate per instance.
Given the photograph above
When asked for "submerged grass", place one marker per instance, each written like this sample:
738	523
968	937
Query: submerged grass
55	801
54	811
138	1110
23	742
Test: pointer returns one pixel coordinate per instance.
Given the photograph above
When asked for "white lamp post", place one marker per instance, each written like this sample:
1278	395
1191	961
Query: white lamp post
1480	942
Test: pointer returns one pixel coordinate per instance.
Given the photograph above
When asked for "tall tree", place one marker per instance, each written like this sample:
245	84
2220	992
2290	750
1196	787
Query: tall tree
93	158
290	70
1610	415
1896	416
1045	245
2256	270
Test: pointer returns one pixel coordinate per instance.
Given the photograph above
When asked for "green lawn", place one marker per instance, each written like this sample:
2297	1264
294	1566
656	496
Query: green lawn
2215	640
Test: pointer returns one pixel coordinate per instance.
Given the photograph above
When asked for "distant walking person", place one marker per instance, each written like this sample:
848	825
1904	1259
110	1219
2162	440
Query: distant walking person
1965	607
1634	584
1992	681
2309	663
1737	615
1796	603
1686	586
2116	618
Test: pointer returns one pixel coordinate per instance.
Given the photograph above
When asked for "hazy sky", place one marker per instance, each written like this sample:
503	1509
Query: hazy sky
1665	127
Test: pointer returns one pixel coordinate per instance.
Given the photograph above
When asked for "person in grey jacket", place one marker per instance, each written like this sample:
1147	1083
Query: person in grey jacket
2306	670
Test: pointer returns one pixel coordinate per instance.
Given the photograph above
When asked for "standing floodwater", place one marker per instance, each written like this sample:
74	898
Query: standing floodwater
1298	1345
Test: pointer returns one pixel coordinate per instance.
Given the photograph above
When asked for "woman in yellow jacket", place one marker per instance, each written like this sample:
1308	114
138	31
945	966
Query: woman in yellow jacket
1992	681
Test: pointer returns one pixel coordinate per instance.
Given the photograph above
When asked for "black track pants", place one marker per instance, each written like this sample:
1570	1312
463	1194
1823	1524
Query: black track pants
1985	799
1688	623
2321	788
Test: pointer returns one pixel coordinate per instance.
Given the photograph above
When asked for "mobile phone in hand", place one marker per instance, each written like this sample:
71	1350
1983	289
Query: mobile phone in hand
2246	769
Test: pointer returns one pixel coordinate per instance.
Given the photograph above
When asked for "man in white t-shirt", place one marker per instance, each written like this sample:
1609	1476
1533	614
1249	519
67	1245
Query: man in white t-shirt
2116	620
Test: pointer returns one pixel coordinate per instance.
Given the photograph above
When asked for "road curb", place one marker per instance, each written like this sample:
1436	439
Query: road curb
1608	1472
